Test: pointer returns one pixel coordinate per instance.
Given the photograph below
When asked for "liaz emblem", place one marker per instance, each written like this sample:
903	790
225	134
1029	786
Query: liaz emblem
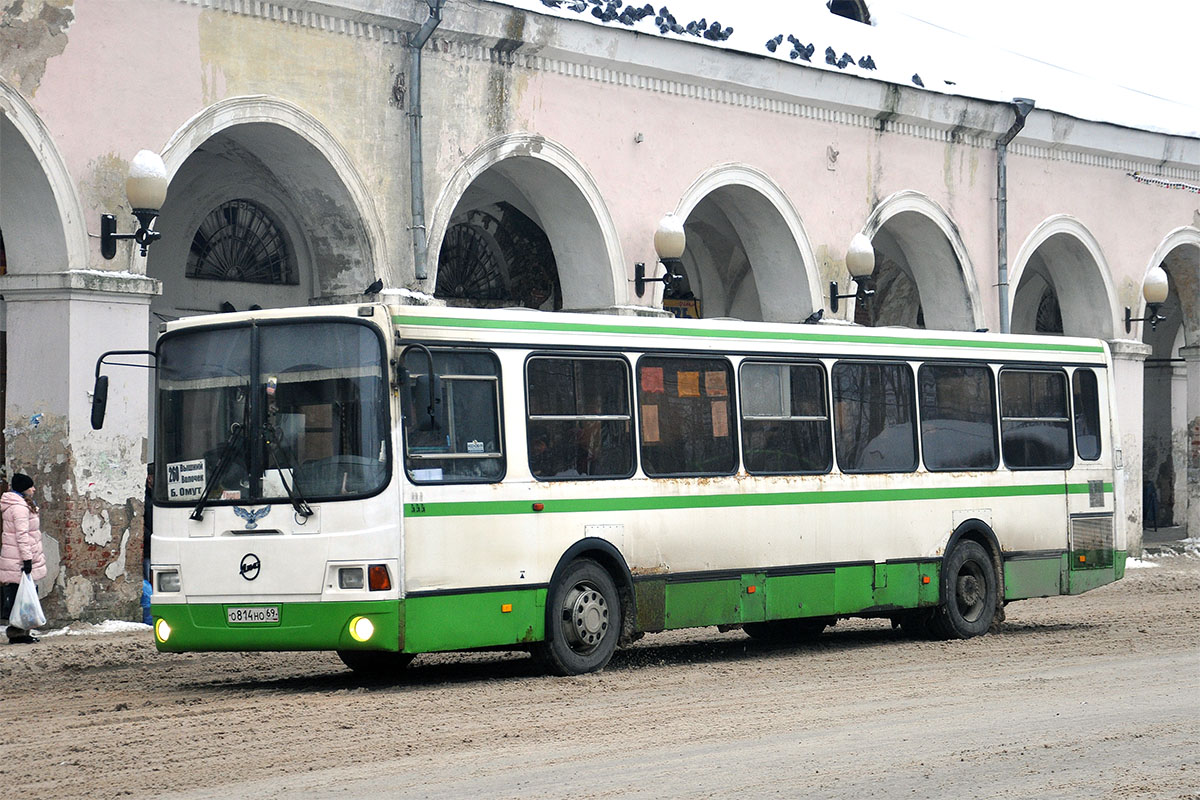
251	516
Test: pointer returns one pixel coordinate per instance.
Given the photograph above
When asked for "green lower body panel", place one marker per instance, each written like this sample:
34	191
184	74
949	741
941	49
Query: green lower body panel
503	618
301	626
478	619
756	597
1090	569
1034	577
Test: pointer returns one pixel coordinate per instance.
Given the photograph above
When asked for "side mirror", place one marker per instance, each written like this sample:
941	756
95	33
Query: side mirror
99	401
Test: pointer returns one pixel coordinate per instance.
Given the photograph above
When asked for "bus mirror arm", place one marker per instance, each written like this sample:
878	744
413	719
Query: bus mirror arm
100	389
435	382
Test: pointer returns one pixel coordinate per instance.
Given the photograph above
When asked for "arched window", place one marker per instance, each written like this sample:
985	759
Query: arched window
498	256
240	241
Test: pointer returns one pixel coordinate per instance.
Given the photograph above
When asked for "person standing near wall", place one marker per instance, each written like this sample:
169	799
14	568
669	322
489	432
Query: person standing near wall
20	547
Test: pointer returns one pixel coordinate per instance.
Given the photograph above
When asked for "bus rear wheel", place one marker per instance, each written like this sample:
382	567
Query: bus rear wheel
968	593
583	620
375	663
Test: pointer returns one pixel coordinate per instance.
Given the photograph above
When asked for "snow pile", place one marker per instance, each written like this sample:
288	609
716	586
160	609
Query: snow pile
108	626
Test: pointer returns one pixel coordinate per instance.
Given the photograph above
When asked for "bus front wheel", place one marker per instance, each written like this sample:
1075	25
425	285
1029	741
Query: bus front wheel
375	663
968	593
583	620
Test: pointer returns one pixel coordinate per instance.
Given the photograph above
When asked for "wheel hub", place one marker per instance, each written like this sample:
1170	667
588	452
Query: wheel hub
968	590
586	616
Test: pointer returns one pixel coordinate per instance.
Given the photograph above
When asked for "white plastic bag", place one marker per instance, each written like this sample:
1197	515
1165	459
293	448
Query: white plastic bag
27	609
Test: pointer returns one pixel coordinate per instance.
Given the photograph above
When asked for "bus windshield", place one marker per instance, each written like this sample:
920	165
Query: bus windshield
267	412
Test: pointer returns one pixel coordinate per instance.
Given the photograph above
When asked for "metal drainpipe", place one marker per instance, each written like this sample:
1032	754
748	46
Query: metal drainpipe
1021	106
416	43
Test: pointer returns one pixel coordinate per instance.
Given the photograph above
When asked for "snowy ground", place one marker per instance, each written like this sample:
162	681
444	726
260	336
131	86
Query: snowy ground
1095	696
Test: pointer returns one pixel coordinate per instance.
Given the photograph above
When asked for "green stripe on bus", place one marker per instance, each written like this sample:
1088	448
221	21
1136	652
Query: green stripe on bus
502	507
780	335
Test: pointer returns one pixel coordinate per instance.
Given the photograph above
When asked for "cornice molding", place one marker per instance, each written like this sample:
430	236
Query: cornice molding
472	47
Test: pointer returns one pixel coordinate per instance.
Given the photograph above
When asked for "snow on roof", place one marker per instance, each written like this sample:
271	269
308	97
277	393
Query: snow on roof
1069	57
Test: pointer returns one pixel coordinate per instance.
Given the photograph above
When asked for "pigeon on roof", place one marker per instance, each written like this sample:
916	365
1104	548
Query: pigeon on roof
917	80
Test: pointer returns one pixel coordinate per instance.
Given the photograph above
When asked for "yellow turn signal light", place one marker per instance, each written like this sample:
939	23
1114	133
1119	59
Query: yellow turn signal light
361	629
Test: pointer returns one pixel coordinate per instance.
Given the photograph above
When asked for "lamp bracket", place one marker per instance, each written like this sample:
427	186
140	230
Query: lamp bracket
640	280
862	288
1152	316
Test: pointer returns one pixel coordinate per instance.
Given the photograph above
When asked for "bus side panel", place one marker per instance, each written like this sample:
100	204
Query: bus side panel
477	619
1034	577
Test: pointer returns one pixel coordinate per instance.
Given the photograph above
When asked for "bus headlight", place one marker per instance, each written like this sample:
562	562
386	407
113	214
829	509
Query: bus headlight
168	581
162	630
361	629
350	578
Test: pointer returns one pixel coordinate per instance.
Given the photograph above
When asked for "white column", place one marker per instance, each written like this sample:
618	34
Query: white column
1128	363
1191	356
90	483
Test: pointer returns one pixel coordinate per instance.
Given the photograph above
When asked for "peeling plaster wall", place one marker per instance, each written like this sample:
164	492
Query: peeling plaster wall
31	33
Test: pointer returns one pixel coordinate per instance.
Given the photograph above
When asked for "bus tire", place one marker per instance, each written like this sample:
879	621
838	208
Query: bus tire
375	663
787	630
583	620
968	593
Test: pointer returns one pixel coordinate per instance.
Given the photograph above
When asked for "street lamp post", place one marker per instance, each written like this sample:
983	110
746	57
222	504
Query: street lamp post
669	244
1154	289
860	262
146	190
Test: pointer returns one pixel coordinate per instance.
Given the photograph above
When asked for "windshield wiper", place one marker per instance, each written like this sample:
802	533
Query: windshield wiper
275	448
236	432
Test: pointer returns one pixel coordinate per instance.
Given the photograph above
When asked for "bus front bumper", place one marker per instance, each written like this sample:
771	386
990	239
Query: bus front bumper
353	625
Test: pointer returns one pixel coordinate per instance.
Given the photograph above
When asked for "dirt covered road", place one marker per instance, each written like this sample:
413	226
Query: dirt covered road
1095	696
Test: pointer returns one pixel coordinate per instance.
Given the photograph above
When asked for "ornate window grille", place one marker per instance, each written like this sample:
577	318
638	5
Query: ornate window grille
240	241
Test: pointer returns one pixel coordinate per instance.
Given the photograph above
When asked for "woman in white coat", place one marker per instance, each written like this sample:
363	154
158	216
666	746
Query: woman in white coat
20	547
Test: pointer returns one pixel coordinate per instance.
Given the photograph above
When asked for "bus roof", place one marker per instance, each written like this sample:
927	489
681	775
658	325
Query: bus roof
541	329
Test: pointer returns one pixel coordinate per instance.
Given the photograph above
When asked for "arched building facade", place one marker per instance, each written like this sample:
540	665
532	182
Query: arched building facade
551	149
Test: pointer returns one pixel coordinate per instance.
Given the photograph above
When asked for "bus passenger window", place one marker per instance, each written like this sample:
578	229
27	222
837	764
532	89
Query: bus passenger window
686	415
958	417
1034	429
461	441
785	422
1087	414
579	420
874	417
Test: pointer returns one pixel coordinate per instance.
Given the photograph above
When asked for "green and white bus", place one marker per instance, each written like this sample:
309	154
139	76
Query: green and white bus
384	480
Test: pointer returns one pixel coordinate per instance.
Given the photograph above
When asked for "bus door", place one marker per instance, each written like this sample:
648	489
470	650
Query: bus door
1090	496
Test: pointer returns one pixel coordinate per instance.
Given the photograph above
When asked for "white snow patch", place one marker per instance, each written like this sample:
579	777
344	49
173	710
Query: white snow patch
108	626
1137	563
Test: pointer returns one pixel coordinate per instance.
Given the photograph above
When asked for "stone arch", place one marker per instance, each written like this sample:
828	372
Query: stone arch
920	246
1063	256
1167	417
543	181
43	222
748	253
1179	255
279	157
